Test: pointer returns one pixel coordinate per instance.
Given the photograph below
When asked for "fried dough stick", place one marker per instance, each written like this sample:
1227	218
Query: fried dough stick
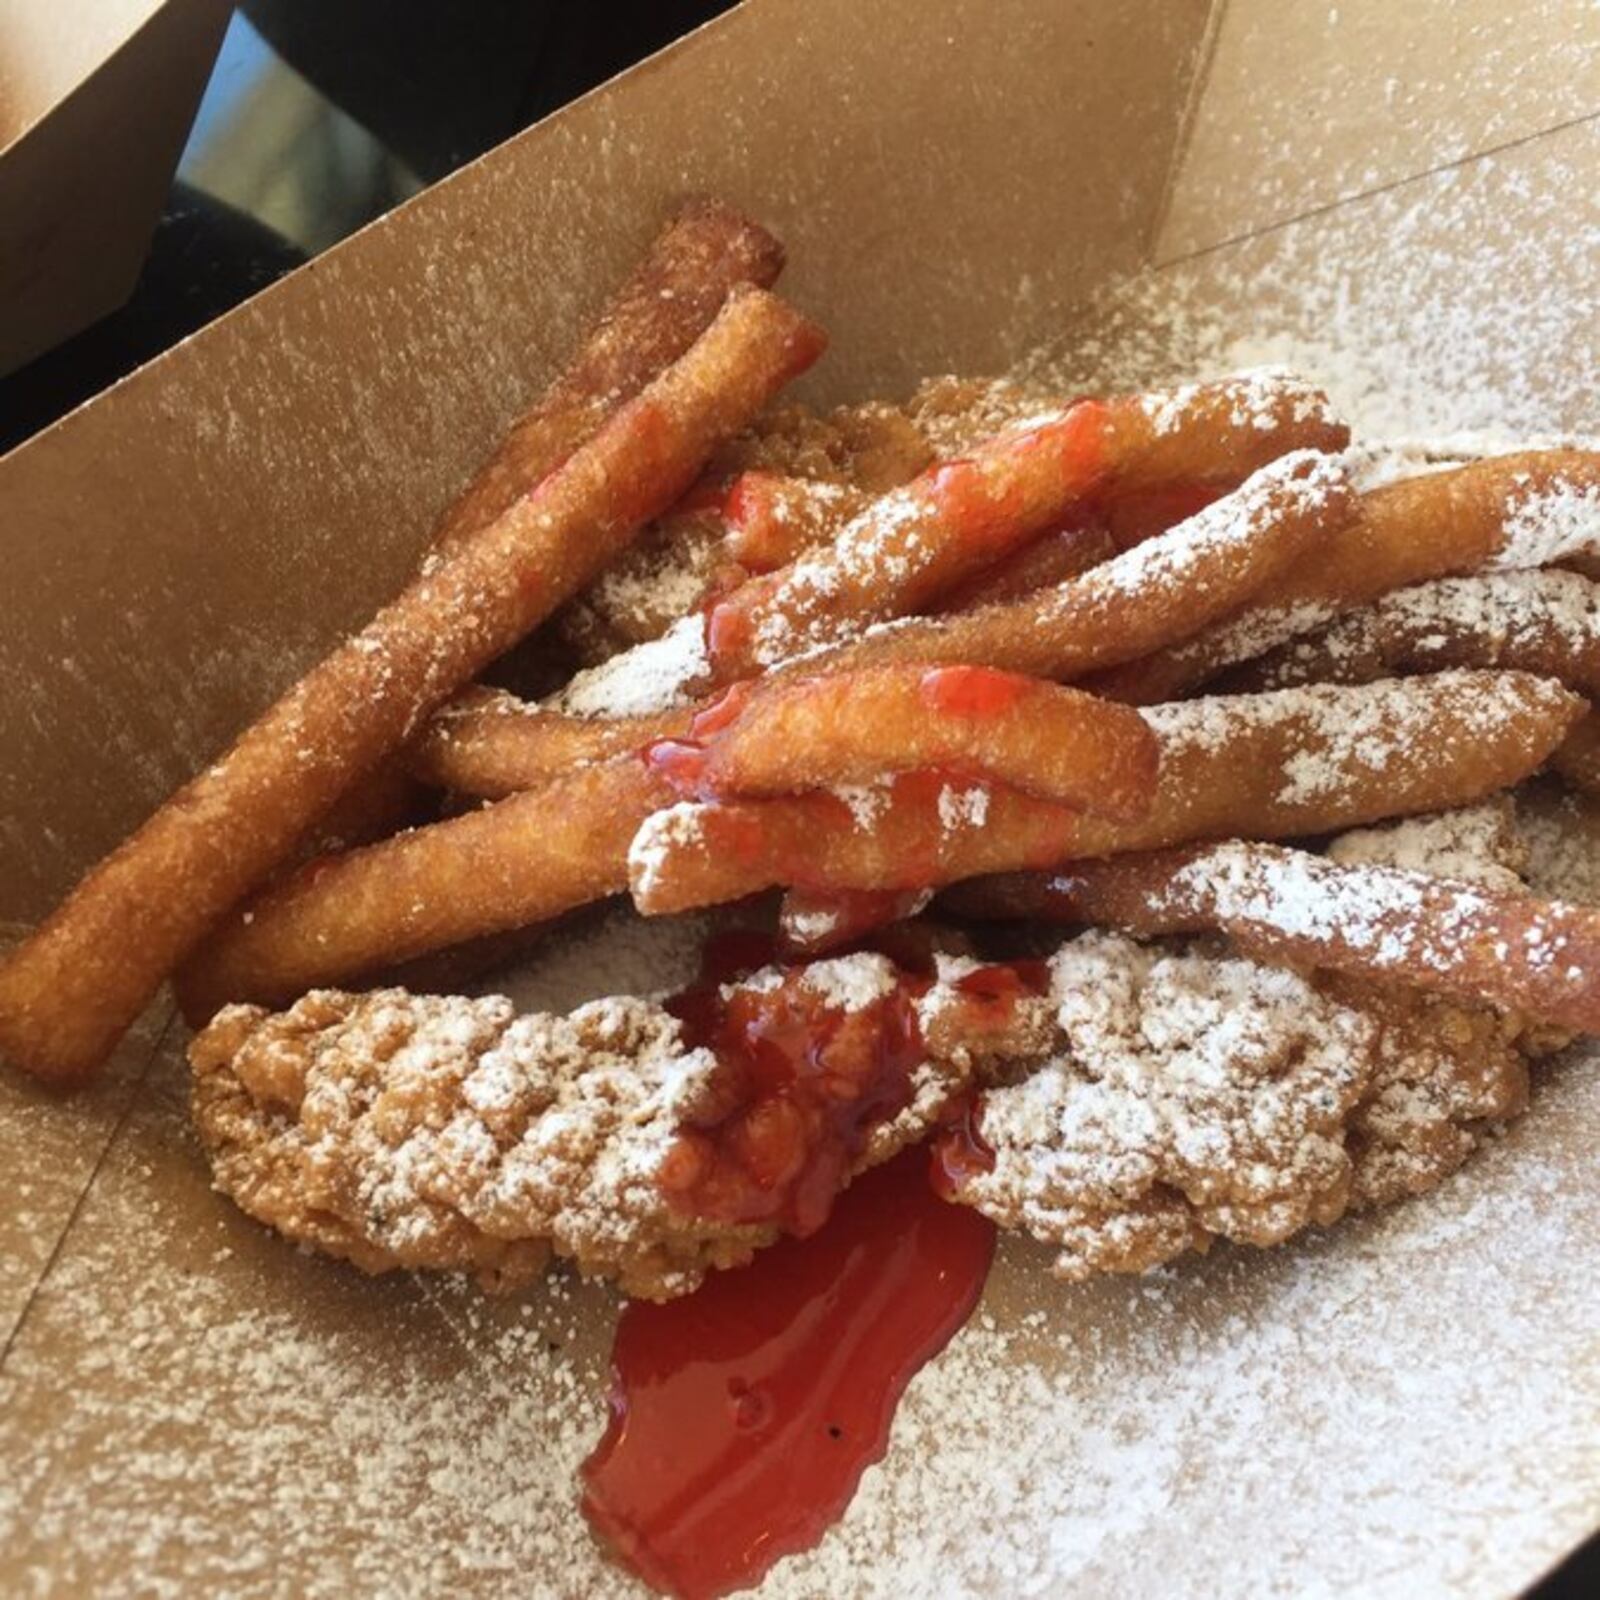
1295	762
1544	621
773	518
1514	512
962	516
1165	588
523	861
69	992
1290	907
669	299
489	744
855	727
1051	559
1161	590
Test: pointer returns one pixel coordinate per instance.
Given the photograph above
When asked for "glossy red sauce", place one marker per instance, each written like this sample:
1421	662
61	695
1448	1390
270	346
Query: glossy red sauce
960	1151
802	1082
812	922
743	1416
685	762
972	691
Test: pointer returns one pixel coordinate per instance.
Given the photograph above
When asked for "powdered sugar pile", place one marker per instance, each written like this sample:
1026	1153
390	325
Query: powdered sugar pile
654	676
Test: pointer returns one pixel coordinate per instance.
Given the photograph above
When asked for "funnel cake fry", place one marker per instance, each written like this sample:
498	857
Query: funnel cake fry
519	862
68	993
1544	621
1469	941
669	299
1293	762
1515	512
856	727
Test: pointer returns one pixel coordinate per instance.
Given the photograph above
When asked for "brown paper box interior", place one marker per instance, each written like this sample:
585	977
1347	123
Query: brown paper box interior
96	97
188	1401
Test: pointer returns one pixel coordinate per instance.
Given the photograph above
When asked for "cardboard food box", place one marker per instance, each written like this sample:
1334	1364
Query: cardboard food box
96	98
1400	199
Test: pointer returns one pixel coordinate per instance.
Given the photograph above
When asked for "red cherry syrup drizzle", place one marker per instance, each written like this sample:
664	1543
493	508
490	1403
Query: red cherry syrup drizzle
742	1417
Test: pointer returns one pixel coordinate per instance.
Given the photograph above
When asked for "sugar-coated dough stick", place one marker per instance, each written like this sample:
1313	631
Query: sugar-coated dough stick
668	300
1163	589
1515	512
69	992
1053	558
1125	607
961	516
490	744
1294	762
856	727
1544	621
522	861
1509	949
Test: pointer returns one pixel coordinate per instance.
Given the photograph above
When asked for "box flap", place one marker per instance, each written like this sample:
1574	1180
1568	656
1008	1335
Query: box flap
180	549
1308	102
95	101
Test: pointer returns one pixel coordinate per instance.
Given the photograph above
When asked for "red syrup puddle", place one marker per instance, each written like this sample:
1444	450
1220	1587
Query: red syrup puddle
743	1416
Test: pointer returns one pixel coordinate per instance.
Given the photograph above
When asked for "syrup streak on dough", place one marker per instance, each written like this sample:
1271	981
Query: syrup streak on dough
68	993
1205	567
397	1130
962	516
1513	512
1292	762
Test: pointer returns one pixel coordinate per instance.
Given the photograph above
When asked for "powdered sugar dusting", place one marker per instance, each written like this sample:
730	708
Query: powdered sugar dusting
654	676
1257	398
1297	481
1551	525
1480	844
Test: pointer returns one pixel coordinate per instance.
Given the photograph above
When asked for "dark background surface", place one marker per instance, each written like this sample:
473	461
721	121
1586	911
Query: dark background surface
323	114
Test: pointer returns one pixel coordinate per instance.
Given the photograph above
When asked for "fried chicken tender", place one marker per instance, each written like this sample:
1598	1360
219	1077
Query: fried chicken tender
398	1130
